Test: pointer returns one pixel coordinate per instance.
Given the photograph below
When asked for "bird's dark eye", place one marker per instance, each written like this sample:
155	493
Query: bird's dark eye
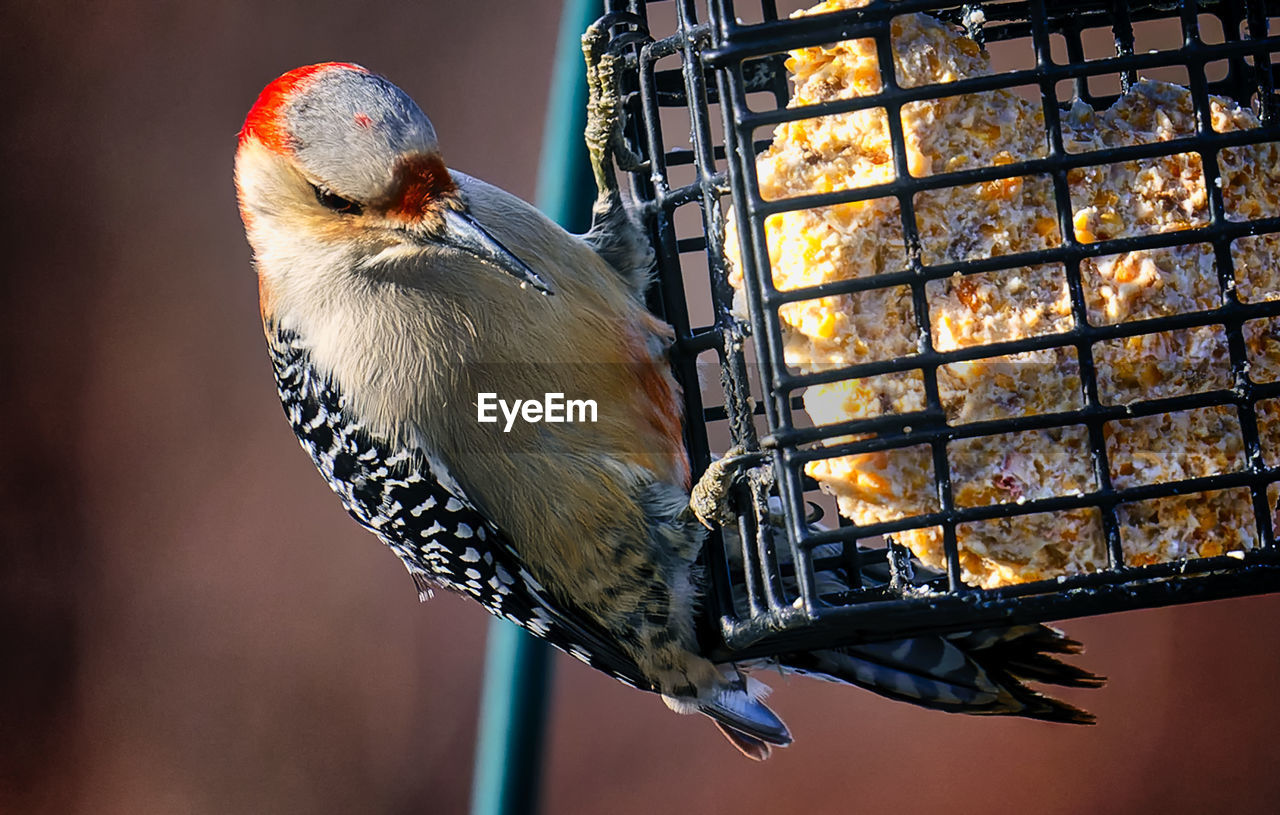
337	203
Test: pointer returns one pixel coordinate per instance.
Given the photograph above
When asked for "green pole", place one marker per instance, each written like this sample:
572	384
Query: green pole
566	187
513	704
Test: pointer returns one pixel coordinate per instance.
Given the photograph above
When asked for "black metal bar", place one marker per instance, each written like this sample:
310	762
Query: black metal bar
1047	165
1102	499
1170	584
747	41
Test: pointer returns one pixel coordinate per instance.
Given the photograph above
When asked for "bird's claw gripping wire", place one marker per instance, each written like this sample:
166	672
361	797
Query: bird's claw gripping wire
709	500
605	53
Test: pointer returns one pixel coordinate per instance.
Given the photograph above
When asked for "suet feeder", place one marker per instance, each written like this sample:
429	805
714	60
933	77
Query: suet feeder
706	84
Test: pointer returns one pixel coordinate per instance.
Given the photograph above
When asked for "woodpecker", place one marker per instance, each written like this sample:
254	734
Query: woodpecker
395	290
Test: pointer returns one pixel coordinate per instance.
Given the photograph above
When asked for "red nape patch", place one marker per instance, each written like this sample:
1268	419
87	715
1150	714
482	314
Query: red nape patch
419	181
263	121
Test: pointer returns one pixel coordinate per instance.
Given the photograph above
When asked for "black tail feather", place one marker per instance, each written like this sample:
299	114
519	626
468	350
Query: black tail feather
981	672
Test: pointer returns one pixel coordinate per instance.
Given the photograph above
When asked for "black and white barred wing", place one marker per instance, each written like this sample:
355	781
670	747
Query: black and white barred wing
446	542
443	540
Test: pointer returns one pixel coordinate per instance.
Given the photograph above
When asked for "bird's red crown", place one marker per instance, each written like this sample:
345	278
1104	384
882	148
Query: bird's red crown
263	121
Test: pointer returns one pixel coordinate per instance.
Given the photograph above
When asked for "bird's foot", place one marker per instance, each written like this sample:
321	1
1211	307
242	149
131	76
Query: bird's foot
604	53
709	500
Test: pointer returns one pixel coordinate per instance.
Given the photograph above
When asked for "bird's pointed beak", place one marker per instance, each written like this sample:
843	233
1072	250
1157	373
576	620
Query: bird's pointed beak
461	232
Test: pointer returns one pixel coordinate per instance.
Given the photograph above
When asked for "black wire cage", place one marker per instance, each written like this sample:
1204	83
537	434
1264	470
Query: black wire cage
704	90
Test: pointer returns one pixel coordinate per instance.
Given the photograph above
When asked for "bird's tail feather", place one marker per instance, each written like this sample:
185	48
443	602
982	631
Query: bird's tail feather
981	672
745	720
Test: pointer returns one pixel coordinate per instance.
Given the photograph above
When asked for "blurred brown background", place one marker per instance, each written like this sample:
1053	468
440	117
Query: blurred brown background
192	625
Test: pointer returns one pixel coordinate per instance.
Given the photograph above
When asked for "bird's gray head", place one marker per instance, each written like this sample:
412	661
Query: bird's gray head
357	131
336	154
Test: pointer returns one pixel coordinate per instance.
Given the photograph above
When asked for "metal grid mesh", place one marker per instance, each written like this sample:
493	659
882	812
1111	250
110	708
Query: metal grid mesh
697	115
